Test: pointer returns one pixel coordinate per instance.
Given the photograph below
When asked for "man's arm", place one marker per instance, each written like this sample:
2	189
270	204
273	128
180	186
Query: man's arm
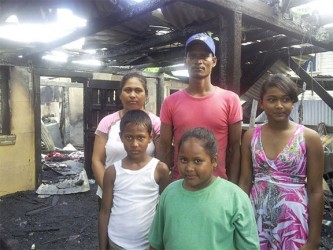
233	152
163	153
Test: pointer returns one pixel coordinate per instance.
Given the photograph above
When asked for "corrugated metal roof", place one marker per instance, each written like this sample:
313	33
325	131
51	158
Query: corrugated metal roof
278	67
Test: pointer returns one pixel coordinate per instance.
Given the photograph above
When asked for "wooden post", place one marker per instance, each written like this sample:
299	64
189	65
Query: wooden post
253	113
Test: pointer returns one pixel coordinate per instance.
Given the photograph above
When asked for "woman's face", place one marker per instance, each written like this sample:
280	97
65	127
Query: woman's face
133	95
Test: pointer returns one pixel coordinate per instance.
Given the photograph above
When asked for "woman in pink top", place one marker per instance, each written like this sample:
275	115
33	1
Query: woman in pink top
108	147
282	170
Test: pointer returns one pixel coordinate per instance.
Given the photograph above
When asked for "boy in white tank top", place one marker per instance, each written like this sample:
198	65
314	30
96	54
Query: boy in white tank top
131	188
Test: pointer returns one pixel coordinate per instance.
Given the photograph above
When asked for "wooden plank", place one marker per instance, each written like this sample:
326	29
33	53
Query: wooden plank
61	84
253	113
37	125
309	80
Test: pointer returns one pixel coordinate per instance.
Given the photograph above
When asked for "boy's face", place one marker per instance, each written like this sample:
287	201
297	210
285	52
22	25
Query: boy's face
199	61
195	165
135	139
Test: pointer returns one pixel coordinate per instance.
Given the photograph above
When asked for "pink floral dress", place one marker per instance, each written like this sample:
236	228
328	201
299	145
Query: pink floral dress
279	194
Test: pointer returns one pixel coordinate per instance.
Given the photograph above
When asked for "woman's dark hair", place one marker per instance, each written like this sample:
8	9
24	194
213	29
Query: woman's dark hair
206	137
137	117
130	75
281	82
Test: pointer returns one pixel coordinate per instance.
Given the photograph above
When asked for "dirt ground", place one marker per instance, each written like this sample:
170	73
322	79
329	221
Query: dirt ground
70	224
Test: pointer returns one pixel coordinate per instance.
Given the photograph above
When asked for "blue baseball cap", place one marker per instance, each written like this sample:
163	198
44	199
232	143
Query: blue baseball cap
204	39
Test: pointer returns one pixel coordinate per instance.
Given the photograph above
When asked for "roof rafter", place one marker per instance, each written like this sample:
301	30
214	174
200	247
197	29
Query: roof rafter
162	40
262	15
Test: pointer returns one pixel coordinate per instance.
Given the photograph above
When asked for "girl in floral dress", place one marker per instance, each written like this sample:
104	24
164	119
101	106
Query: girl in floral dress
282	171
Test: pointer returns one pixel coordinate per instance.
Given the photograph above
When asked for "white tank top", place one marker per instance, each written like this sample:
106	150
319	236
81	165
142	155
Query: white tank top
135	197
115	150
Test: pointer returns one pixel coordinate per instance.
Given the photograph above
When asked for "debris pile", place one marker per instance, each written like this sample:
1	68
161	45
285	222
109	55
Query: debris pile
63	173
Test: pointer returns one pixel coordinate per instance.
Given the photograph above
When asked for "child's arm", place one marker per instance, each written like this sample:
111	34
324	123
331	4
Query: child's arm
245	180
315	168
246	232
162	177
233	150
107	202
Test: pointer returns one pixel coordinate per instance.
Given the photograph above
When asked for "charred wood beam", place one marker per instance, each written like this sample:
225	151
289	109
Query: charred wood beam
327	98
52	66
159	59
62	72
100	24
149	65
4	99
291	30
269	45
262	15
230	53
8	46
259	34
161	40
283	52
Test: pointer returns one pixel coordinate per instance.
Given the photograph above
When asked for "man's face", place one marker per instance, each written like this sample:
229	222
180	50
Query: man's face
199	61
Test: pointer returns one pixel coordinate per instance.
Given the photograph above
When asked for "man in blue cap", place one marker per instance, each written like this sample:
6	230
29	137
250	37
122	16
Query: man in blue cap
202	104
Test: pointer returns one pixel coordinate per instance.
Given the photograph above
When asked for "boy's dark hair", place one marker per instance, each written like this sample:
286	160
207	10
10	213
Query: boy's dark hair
206	137
130	75
281	82
137	117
